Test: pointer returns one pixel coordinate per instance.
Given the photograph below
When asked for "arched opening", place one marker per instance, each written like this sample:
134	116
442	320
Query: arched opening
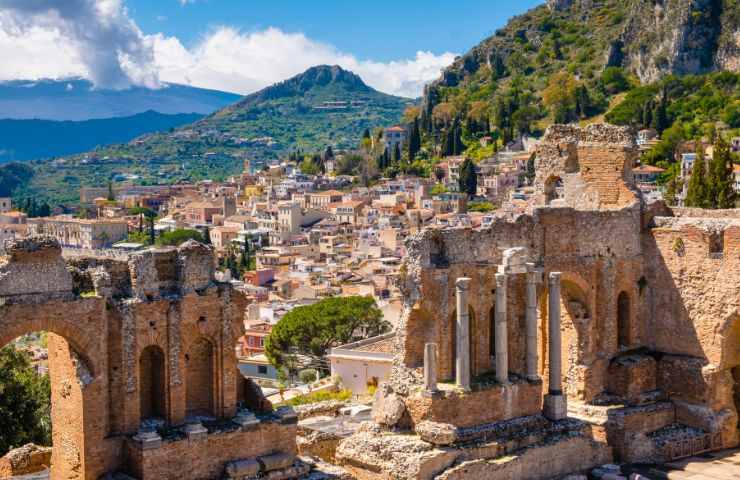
43	382
575	319
554	189
623	320
199	379
152	384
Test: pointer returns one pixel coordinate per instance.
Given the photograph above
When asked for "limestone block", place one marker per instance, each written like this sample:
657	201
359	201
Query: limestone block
276	461
242	468
437	433
388	409
555	407
195	432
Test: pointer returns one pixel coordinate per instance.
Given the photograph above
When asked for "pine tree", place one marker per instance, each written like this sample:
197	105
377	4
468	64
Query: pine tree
697	194
660	116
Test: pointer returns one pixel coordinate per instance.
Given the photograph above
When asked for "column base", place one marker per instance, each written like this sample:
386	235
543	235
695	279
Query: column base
533	378
555	407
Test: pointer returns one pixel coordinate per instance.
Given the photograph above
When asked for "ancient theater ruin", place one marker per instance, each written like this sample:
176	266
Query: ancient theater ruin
596	328
143	367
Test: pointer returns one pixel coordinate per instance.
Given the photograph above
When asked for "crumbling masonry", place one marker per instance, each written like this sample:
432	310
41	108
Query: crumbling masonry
597	328
143	367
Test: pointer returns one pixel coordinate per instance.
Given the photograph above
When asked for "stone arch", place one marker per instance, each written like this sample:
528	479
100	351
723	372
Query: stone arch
576	313
420	329
624	320
199	379
77	369
553	188
152	384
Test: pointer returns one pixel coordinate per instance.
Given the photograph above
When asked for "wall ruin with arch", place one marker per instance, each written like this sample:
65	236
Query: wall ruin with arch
649	306
142	362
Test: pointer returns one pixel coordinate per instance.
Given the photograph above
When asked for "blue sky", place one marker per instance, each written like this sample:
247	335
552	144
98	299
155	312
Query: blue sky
243	45
381	30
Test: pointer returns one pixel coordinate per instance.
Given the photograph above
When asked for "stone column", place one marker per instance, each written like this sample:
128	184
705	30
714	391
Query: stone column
462	365
502	339
531	322
555	407
430	367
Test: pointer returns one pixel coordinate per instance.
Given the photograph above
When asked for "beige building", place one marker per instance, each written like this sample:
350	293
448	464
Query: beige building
221	237
80	233
5	204
322	200
363	364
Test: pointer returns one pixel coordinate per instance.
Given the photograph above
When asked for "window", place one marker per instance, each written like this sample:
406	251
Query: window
262	369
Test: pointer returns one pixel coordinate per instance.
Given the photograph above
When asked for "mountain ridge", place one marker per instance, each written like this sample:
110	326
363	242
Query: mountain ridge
77	99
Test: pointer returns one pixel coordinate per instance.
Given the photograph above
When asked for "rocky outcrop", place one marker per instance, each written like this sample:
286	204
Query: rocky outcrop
27	459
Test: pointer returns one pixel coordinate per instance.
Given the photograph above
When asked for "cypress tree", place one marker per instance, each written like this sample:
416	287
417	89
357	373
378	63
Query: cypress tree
697	194
397	154
720	176
414	144
468	180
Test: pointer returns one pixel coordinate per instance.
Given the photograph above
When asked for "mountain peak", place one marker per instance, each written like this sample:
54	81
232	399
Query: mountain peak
321	78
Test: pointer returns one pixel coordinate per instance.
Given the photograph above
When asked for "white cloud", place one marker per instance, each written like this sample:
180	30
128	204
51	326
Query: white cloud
99	41
245	62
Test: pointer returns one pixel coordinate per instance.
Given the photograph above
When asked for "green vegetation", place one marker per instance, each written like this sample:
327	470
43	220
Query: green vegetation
710	185
316	397
25	402
263	126
14	176
480	207
180	236
303	336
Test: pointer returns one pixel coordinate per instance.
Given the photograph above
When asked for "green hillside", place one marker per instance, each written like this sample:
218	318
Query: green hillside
638	62
323	106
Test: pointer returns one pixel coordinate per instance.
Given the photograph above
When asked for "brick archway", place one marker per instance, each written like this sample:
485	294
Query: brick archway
577	312
78	371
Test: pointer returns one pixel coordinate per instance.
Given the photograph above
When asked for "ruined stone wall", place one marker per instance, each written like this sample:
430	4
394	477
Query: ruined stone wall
593	163
693	304
170	301
206	458
599	254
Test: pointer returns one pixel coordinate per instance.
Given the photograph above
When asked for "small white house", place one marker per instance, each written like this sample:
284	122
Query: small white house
362	364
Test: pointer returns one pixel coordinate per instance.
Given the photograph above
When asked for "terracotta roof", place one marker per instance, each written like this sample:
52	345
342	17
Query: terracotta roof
381	346
395	128
736	168
648	169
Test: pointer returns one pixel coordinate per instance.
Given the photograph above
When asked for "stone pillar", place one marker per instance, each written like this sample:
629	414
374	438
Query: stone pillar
430	367
462	365
555	407
502	339
531	322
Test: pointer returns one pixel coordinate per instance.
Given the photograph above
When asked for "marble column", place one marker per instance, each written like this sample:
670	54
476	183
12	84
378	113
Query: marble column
555	407
531	322
502	335
462	365
430	367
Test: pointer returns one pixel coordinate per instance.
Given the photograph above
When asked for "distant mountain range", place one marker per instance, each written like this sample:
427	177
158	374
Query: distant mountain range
30	139
325	105
50	118
79	100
